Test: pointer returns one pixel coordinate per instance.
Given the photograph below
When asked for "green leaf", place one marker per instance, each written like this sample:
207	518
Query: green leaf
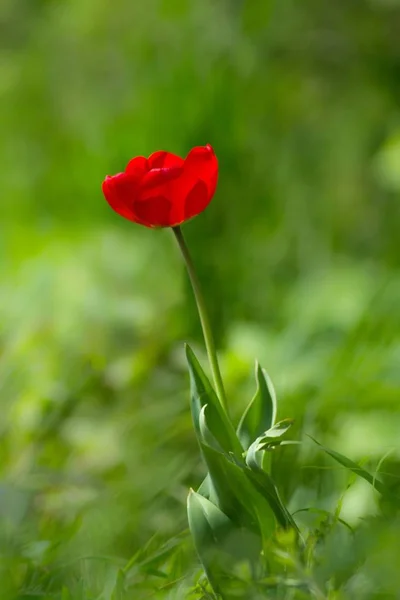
161	555
271	436
265	484
355	468
206	435
205	487
257	454
218	422
260	414
332	517
236	496
266	487
278	430
219	542
228	482
249	499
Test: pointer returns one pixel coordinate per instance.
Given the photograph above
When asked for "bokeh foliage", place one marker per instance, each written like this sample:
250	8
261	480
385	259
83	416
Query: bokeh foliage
298	254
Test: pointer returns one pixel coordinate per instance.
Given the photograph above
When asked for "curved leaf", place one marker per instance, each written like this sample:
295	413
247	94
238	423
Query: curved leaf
205	488
264	484
236	495
206	435
218	422
219	543
268	439
355	468
260	414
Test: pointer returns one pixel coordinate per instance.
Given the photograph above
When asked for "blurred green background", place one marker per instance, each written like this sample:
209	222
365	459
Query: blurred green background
298	254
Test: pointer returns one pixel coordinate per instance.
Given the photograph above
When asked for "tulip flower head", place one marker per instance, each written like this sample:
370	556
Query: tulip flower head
164	190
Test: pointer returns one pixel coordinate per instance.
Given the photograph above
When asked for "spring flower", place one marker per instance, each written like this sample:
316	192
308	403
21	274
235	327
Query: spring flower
164	190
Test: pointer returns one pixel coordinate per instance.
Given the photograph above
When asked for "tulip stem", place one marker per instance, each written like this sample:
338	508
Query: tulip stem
205	323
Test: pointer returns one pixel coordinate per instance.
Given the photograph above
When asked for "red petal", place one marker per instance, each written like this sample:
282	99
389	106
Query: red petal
196	200
137	167
120	193
157	177
192	190
155	212
202	163
161	159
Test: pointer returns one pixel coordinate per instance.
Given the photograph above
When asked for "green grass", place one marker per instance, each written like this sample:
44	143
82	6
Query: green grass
298	257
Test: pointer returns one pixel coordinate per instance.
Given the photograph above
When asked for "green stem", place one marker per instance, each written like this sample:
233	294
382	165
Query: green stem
205	323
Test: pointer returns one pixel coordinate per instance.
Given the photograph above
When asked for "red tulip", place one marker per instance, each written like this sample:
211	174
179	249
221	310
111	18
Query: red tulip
164	190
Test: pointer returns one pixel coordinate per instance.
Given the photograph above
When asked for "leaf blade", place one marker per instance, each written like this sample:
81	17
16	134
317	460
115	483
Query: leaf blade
219	542
202	394
260	414
355	468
